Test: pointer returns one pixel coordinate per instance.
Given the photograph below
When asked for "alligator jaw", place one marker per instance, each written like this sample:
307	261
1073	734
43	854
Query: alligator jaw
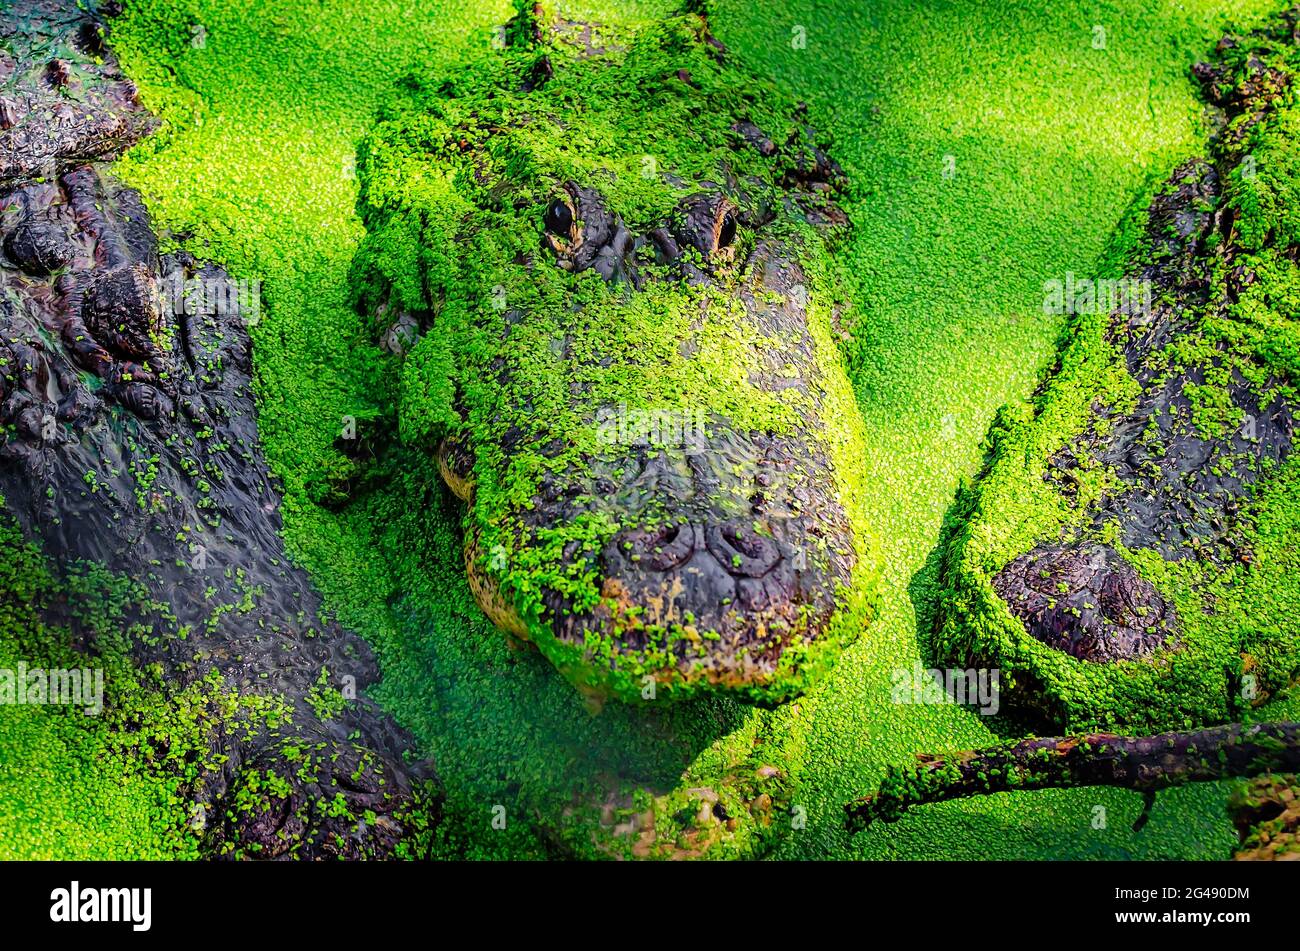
734	545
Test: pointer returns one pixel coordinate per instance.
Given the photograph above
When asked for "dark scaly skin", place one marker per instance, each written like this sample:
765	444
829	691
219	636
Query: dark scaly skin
62	96
1174	488
643	571
1179	493
1120	615
115	362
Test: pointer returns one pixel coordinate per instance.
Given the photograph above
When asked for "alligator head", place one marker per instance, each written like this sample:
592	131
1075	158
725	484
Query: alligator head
604	261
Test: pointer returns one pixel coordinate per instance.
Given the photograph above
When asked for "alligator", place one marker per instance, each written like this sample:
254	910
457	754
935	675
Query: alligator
1125	558
623	346
128	440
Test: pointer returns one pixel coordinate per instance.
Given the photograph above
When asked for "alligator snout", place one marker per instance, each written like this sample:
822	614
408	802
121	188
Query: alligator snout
669	506
717	574
734	547
632	366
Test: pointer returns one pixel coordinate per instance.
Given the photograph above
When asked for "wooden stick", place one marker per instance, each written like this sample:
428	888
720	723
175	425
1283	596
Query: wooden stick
1145	763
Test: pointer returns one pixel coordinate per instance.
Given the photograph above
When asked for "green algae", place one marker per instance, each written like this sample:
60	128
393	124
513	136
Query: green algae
1237	643
453	190
1050	137
114	784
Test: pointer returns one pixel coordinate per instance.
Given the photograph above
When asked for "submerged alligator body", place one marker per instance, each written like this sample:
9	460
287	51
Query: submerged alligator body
620	342
128	440
1128	559
62	97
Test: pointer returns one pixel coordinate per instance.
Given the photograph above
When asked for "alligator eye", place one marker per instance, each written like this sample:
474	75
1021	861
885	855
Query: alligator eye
708	222
727	230
559	218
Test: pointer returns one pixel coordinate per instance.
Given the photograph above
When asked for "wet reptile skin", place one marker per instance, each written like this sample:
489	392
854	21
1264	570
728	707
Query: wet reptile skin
128	440
722	550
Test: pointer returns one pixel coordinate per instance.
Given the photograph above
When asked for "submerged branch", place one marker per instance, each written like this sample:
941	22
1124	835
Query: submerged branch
1147	763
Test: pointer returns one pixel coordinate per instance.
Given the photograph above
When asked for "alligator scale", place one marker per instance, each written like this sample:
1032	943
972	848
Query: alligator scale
621	346
129	446
1127	559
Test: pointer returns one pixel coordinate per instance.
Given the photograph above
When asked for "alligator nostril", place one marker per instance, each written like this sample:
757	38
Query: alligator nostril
657	549
121	309
741	549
